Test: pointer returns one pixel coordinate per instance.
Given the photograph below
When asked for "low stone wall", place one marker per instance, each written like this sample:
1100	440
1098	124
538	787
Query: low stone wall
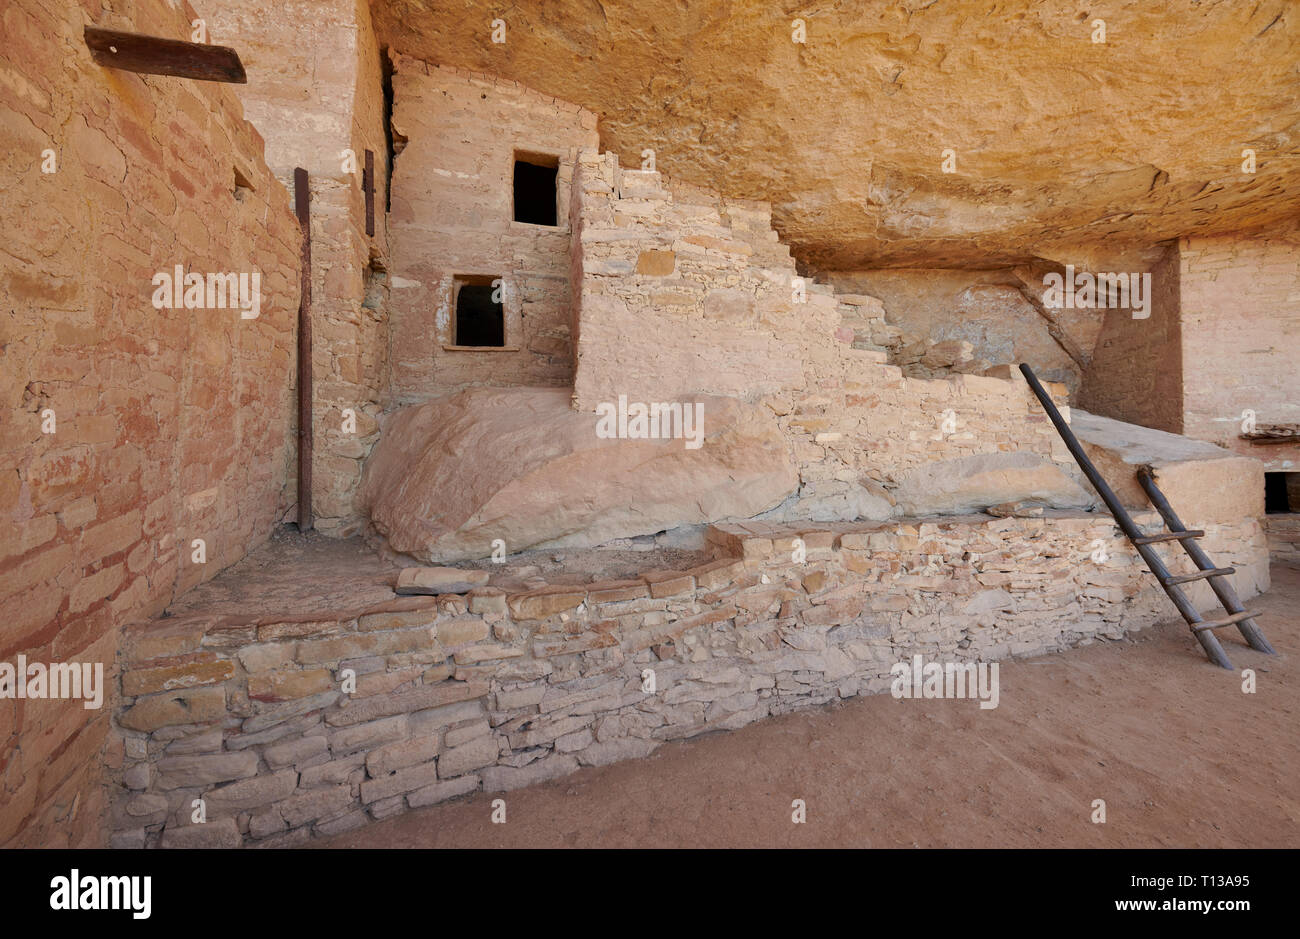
1283	532
289	729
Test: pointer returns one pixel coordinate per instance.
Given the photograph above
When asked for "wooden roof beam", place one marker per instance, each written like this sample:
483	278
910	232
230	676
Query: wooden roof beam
153	55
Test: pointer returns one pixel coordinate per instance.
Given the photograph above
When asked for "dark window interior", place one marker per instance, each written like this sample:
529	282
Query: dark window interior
479	321
535	193
1276	498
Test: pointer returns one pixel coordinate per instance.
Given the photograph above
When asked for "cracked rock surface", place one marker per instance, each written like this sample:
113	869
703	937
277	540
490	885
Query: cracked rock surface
1062	145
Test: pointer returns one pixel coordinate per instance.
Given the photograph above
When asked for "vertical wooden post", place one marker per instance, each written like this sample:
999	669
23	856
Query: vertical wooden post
368	186
302	206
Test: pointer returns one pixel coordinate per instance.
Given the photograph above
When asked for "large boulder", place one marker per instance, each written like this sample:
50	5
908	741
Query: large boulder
972	483
449	477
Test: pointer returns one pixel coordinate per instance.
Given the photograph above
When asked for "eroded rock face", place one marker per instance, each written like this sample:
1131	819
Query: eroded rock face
1058	141
973	483
822	502
451	476
946	321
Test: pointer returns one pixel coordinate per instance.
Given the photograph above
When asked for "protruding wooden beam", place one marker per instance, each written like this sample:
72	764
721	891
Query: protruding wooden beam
153	55
1273	433
368	186
302	206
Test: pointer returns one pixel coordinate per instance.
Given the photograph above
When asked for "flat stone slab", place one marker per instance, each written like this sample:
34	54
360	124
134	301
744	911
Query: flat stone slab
431	581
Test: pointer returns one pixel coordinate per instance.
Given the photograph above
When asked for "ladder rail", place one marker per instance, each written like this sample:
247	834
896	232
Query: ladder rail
1221	586
1205	637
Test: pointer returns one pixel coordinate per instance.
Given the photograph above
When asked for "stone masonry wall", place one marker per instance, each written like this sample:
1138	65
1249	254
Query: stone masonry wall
493	692
1240	331
452	214
168	425
680	292
1283	532
315	90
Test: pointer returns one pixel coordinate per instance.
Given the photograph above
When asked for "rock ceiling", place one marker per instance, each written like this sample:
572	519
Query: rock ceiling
1064	147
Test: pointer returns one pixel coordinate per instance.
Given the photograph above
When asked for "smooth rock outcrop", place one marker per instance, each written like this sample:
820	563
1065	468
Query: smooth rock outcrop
450	477
1202	481
971	484
835	501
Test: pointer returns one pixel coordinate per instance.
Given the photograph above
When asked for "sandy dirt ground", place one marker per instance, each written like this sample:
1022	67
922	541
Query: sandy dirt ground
1181	756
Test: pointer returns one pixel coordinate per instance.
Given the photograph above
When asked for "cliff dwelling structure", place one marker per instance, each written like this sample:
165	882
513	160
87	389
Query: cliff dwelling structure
409	402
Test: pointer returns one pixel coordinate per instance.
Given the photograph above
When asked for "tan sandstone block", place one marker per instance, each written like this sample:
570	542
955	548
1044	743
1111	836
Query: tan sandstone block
287	684
543	603
182	707
656	263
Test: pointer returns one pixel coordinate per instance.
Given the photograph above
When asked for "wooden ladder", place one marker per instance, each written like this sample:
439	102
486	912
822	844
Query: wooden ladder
1216	576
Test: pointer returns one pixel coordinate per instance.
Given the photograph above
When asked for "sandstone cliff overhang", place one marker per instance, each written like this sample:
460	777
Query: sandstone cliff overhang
1061	138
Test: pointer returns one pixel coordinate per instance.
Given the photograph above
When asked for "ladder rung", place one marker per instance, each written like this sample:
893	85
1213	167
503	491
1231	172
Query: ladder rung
1218	623
1168	536
1200	575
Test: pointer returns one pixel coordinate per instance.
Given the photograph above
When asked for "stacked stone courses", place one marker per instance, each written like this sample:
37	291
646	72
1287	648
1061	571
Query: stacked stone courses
495	690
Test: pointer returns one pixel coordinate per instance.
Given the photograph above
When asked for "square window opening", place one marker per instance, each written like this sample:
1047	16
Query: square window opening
1281	493
535	195
480	317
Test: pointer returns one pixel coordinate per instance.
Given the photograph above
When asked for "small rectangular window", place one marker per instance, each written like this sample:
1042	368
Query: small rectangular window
1281	493
480	317
535	197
